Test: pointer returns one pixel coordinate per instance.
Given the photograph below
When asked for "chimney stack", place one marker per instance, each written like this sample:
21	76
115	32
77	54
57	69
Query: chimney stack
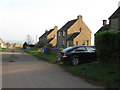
79	17
104	22
56	27
46	30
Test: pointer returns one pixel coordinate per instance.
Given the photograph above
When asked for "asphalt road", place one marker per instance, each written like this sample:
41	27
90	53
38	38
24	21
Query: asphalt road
21	70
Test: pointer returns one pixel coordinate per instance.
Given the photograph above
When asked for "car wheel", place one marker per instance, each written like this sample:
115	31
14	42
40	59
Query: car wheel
75	61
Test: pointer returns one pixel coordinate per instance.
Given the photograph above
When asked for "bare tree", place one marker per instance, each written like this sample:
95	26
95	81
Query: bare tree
29	39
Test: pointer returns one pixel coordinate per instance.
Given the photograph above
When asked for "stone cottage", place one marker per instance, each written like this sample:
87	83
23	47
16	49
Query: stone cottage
49	37
74	33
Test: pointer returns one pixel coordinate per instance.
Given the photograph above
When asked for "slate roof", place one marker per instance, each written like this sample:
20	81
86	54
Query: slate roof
116	14
49	40
104	28
72	36
46	33
68	25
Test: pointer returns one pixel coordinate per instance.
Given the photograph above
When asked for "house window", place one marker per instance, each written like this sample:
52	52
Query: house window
87	42
59	33
63	33
80	29
63	43
76	43
67	44
83	43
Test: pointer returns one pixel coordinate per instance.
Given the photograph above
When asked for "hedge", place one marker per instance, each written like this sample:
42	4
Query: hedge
107	44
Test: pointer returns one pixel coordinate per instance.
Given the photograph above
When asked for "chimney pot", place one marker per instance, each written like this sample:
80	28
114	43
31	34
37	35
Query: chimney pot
104	22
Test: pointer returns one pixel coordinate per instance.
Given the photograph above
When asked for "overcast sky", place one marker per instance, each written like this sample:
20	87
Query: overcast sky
18	18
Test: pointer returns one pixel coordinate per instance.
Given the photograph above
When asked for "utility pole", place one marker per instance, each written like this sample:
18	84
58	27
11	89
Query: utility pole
36	39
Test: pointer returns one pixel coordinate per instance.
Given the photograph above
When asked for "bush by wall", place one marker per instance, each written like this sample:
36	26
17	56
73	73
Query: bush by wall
55	51
108	46
40	44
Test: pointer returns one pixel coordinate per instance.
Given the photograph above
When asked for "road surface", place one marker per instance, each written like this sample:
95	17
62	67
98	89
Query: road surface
22	70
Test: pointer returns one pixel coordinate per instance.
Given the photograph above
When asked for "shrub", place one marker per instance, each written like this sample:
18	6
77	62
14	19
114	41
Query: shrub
54	51
25	45
31	45
40	44
49	45
108	46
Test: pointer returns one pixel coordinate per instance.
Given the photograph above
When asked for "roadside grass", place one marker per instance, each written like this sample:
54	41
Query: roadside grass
2	49
20	48
101	74
50	57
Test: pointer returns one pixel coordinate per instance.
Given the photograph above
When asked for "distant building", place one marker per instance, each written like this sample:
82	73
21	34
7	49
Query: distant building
17	45
49	37
74	33
2	44
114	22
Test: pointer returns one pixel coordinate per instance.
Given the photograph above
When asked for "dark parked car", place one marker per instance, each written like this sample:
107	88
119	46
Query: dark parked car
76	54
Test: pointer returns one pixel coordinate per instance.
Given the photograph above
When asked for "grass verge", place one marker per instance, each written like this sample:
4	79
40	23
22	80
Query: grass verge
50	57
102	74
2	49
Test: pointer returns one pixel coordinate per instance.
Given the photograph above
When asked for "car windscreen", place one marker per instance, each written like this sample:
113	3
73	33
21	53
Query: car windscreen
91	49
68	49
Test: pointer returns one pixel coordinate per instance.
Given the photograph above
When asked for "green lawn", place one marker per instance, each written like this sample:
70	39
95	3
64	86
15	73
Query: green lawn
101	73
